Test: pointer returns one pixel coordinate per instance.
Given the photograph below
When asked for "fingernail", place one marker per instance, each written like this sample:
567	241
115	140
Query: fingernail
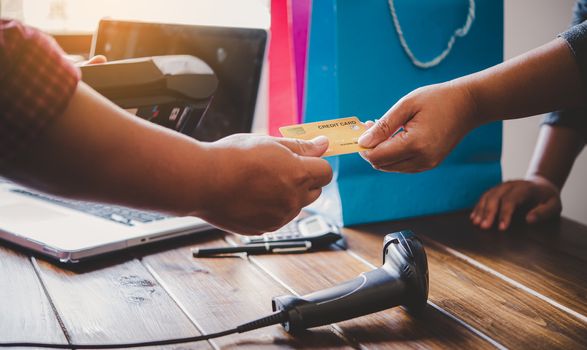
502	226
366	139
531	218
366	155
320	140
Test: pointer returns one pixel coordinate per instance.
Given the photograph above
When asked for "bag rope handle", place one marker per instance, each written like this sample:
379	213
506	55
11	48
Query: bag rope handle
459	32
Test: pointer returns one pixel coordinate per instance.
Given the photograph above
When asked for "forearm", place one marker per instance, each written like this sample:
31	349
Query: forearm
541	80
554	154
96	151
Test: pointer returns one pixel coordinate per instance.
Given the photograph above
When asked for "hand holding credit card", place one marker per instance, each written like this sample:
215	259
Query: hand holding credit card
343	134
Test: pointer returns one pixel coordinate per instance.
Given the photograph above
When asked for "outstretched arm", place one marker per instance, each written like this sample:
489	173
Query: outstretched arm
244	183
98	151
435	118
542	80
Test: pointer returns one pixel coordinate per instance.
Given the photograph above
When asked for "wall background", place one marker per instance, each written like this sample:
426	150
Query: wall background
528	24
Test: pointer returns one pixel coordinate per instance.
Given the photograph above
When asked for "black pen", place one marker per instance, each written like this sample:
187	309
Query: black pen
259	248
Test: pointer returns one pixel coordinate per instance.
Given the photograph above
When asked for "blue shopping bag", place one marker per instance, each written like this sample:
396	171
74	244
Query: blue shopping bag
363	56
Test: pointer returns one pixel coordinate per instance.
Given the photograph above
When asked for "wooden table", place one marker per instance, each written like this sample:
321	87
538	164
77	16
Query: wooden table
523	289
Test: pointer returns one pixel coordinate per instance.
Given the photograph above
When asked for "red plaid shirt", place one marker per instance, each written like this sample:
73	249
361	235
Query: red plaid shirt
36	84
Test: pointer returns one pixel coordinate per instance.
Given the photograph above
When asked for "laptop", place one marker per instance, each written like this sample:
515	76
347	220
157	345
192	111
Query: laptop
236	56
73	231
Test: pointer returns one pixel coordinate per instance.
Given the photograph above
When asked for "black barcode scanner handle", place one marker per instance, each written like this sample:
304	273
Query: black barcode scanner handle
402	280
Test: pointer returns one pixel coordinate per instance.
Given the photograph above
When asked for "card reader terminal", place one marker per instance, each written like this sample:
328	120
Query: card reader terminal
173	91
302	234
315	229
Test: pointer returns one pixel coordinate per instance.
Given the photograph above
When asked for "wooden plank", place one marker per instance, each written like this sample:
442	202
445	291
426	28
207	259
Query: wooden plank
114	300
556	272
388	329
507	314
221	293
26	313
564	235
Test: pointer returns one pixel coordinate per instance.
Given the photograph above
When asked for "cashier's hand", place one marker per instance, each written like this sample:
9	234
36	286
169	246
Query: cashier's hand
497	205
264	182
434	118
98	59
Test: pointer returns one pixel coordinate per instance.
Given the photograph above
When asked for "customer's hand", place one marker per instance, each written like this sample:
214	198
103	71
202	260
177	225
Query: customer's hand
434	118
261	183
499	203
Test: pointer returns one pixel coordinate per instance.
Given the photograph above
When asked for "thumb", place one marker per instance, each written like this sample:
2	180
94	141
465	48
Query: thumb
545	210
313	148
98	59
385	127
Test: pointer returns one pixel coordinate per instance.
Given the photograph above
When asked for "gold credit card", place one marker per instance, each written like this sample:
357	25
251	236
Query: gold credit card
342	134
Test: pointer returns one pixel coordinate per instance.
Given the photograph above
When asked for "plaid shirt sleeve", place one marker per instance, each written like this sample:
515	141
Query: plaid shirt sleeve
36	84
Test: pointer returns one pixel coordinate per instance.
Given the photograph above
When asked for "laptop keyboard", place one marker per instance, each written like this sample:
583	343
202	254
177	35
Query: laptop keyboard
120	215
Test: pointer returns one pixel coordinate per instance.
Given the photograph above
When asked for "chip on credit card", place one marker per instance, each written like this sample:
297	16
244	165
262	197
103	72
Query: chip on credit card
343	134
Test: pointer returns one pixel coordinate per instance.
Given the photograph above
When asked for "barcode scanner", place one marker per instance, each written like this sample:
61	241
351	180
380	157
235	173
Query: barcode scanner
401	280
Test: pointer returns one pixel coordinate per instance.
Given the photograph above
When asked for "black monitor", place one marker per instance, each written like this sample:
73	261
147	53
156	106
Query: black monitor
235	54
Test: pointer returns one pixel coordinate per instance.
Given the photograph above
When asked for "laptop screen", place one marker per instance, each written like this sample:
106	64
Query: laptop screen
235	55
